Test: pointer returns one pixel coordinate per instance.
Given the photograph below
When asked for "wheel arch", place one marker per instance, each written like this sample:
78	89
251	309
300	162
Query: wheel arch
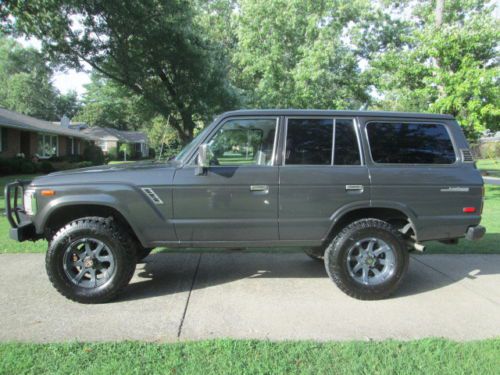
397	215
62	214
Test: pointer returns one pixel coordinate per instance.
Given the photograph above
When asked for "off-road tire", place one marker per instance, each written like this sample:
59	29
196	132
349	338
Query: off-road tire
142	252
336	258
105	230
316	253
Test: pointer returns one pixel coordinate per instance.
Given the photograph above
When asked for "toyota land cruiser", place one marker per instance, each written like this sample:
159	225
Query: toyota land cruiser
357	190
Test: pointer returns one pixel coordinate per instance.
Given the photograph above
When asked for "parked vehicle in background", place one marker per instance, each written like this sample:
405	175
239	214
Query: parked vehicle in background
357	190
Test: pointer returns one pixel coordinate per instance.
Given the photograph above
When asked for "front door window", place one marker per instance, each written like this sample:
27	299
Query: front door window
242	142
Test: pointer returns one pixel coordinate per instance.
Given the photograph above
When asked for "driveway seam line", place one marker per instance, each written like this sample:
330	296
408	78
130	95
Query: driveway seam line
455	280
179	331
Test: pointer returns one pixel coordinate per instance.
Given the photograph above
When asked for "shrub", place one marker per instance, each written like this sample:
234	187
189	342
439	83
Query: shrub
93	154
45	167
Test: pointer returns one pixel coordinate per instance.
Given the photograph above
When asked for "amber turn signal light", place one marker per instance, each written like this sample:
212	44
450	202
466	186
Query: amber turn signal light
47	193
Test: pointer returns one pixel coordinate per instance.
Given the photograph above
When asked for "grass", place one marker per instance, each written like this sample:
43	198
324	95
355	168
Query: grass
489	244
428	356
492	166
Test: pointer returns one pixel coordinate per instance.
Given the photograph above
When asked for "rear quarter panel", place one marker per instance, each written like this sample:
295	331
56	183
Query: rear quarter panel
429	191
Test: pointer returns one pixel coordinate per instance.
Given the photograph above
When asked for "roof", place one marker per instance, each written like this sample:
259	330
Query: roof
16	120
111	134
321	112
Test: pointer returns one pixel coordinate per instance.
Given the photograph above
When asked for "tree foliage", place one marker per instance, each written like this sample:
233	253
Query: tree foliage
451	68
151	47
109	104
25	84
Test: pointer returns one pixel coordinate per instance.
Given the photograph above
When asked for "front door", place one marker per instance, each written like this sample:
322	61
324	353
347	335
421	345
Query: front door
237	198
322	174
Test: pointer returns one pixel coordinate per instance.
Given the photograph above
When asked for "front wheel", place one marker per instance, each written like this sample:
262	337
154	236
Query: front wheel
90	260
367	259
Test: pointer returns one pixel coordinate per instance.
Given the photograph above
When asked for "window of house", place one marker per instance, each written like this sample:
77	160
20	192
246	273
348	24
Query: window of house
244	142
70	146
410	143
47	145
311	142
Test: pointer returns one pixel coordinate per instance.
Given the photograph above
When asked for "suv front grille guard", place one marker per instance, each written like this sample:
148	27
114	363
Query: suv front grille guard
12	209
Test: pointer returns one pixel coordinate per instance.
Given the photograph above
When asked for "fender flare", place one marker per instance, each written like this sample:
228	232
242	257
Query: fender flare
99	199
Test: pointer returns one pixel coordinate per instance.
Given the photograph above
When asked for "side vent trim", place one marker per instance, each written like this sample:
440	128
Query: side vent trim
152	195
467	156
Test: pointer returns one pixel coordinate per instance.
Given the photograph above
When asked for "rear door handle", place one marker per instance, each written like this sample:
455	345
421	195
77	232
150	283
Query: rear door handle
355	188
259	188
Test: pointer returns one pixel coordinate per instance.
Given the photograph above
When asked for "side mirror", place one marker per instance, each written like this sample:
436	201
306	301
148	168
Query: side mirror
203	159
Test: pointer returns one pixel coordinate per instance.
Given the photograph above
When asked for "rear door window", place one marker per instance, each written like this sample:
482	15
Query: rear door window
309	142
346	143
410	143
321	142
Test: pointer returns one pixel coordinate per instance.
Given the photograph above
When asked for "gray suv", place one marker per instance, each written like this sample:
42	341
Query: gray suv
357	190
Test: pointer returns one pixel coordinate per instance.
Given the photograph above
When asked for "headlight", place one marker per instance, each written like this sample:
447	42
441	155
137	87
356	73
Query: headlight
29	202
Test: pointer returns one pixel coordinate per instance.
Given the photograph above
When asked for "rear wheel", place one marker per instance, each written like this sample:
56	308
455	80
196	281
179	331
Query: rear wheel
367	259
90	260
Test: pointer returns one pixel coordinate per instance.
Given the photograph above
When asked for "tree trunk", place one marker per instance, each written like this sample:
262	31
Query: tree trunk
439	13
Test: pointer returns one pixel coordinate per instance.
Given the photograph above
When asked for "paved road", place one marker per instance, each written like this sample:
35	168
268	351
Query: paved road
254	295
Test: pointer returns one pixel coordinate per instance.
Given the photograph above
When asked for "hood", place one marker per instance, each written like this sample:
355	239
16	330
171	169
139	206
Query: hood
136	173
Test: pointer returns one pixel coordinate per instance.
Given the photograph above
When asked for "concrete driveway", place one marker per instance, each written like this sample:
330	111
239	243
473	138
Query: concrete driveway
254	295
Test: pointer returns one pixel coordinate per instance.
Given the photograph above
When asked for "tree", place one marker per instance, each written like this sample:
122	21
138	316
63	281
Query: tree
151	47
295	53
447	64
25	84
109	104
67	104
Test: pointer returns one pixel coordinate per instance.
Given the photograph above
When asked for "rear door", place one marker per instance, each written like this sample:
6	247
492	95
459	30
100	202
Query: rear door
322	172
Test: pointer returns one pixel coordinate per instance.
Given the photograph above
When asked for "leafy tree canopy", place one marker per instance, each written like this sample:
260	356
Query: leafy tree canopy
151	47
449	68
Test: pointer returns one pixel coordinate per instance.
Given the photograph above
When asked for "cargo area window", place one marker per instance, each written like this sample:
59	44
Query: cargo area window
311	142
410	143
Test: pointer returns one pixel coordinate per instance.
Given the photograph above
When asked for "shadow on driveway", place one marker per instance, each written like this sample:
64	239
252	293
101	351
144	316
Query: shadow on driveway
168	273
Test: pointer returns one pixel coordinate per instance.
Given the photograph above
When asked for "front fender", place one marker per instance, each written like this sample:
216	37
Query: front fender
147	220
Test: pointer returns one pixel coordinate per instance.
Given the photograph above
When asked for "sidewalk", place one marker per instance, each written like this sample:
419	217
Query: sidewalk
254	295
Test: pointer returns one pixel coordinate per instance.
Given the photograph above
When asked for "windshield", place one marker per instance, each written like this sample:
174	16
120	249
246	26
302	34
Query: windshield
194	142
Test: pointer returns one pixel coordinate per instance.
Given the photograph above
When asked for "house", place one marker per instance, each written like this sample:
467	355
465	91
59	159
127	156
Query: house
109	138
32	137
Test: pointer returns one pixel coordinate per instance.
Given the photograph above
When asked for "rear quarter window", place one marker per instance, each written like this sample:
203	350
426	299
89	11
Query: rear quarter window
410	143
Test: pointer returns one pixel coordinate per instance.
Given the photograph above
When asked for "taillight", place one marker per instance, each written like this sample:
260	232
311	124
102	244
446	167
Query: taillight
469	210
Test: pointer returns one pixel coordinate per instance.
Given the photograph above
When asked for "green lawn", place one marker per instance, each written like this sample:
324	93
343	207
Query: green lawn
492	166
489	244
428	356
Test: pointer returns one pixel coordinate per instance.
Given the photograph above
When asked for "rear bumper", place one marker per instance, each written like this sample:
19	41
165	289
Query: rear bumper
475	232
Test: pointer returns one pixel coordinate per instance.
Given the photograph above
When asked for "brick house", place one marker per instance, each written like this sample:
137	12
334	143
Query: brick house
21	134
109	138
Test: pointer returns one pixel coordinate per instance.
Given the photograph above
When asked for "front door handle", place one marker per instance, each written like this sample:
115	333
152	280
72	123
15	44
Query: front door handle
260	188
355	188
